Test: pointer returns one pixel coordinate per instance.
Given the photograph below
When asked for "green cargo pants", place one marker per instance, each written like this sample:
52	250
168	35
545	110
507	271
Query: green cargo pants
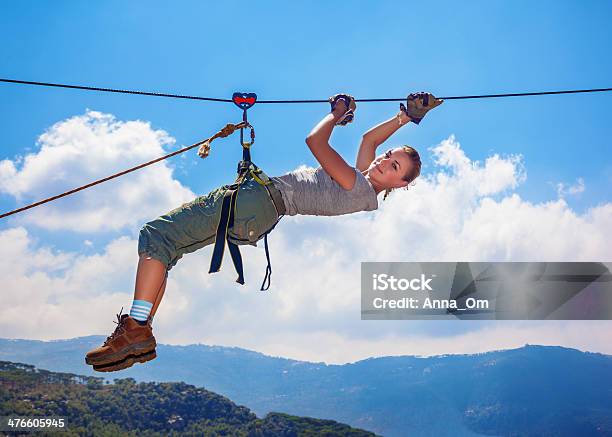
193	225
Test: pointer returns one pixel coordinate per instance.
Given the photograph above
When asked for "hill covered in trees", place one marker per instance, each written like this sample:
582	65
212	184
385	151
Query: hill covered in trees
93	406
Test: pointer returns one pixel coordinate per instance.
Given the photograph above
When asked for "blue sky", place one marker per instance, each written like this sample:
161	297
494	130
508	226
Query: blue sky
311	50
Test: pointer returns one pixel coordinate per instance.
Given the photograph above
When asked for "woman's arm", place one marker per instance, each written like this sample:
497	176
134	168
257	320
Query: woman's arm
318	142
375	137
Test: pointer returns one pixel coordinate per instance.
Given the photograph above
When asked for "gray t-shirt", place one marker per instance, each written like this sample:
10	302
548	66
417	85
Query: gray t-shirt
310	191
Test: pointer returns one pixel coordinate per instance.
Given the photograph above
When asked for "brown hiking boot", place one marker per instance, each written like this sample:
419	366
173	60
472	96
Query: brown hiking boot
130	342
128	362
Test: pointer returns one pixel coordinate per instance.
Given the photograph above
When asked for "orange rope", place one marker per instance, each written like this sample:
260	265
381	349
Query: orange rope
226	131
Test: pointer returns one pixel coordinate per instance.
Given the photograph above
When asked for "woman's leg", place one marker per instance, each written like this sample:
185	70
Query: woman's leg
159	297
133	341
150	281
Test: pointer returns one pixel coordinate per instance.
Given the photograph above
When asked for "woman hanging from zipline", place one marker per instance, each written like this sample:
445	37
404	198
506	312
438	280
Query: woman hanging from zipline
335	188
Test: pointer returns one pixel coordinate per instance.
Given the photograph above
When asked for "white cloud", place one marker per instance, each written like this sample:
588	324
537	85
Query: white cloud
80	150
471	177
463	211
564	189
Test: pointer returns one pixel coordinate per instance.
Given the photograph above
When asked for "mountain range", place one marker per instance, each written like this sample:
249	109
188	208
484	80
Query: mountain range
533	390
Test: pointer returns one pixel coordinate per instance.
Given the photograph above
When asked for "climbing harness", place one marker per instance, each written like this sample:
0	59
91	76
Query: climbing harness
246	170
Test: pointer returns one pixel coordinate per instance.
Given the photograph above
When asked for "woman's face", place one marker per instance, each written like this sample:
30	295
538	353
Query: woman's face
389	169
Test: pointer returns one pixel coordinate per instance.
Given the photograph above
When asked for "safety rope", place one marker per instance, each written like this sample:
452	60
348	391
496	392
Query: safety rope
212	99
227	130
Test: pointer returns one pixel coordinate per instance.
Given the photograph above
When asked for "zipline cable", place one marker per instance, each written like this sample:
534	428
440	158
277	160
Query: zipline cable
212	99
112	90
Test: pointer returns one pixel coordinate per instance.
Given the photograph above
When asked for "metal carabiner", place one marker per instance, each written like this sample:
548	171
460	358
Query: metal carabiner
244	101
247	144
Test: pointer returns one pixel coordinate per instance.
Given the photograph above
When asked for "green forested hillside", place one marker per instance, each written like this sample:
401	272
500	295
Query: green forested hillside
127	408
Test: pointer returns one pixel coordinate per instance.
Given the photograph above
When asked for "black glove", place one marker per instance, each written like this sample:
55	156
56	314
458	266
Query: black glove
349	101
417	105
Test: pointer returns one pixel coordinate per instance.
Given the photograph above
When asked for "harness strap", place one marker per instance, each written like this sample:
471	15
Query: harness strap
268	276
280	210
234	251
226	221
237	260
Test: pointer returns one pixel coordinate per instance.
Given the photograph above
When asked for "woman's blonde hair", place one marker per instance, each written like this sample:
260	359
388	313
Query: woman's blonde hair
416	161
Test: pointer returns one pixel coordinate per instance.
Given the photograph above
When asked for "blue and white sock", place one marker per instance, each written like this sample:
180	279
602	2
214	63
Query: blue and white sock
140	310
